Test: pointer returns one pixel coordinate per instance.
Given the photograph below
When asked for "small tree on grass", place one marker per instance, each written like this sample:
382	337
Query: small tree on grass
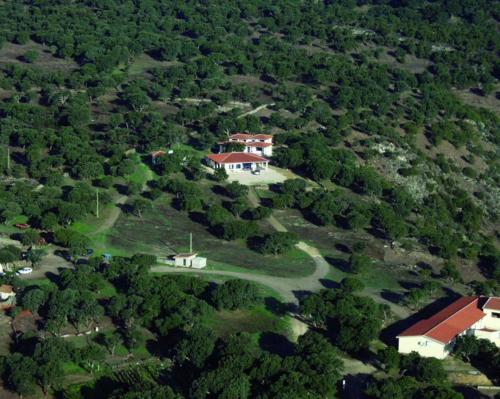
139	206
30	56
110	341
220	174
416	296
133	188
35	256
279	242
238	229
351	284
450	272
359	263
91	356
30	237
390	358
235	189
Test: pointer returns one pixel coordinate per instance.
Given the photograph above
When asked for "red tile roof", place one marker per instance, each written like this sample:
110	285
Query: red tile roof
493	303
246	136
236	157
158	153
449	322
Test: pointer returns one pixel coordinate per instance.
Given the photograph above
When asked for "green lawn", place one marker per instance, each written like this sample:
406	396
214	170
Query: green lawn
253	320
8	226
72	368
142	172
108	291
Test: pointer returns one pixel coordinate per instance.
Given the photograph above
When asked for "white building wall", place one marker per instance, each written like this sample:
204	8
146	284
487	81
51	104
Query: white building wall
490	321
423	346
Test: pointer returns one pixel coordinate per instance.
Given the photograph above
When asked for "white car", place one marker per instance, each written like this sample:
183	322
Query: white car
24	270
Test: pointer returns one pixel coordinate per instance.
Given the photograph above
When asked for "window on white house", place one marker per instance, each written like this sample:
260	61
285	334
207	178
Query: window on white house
495	315
238	166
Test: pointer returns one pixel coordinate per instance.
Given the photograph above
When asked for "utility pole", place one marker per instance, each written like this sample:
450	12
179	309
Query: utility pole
97	203
8	160
190	243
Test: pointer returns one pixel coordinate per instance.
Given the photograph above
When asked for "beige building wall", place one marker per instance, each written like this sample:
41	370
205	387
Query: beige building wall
490	321
424	346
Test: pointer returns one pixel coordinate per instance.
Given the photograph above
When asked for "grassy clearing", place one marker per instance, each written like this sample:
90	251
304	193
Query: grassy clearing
107	291
70	368
164	230
12	53
9	228
142	172
91	223
253	320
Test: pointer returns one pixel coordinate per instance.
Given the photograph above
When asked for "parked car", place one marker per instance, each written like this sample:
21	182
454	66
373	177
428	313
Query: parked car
24	270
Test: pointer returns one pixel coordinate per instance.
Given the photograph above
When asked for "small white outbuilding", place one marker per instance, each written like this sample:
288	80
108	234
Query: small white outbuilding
190	260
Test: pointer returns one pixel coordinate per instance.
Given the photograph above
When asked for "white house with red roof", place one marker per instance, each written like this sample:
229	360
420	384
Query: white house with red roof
435	336
260	144
237	161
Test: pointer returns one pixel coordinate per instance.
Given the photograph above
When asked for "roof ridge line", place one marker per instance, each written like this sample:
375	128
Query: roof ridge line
453	314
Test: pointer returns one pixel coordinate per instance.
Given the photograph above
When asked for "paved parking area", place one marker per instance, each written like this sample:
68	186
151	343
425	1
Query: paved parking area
269	176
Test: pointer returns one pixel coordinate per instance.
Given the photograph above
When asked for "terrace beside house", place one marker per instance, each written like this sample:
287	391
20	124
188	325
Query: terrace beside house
435	336
260	144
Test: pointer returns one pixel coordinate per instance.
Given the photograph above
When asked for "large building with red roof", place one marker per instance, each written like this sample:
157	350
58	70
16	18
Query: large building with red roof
237	161
260	144
435	336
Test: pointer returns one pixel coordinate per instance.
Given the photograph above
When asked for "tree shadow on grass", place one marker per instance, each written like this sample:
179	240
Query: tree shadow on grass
53	277
255	243
339	263
330	284
198	217
355	385
277	307
301	294
125	208
121	188
342	248
219	190
408	285
275	343
391	296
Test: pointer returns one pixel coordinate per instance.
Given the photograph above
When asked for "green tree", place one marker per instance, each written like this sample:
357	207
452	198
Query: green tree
30	56
234	294
30	237
35	256
196	346
139	206
359	263
278	243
